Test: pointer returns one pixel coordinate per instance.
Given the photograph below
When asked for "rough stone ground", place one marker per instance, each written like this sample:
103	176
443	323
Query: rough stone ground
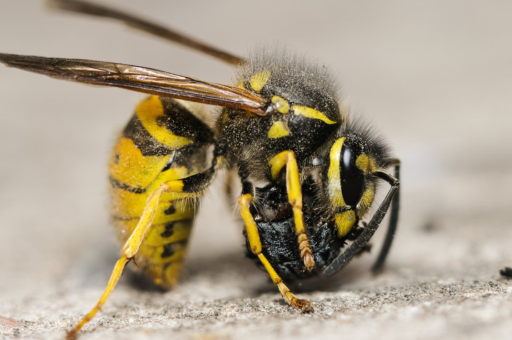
434	77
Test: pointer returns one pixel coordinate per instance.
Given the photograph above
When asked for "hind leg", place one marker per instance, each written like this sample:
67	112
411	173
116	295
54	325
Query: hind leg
192	186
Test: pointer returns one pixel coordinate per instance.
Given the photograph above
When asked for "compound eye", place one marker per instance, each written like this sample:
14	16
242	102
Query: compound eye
353	165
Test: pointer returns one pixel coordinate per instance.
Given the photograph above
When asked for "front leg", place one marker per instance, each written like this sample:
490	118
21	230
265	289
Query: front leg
254	241
293	189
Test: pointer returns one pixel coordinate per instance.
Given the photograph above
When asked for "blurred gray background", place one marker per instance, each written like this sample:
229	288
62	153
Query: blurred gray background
434	77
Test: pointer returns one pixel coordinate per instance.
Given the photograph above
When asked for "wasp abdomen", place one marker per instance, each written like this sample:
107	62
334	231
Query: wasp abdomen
163	141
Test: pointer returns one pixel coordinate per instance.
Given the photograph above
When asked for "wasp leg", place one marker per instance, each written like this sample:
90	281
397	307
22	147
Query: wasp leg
393	222
293	188
254	240
345	257
193	185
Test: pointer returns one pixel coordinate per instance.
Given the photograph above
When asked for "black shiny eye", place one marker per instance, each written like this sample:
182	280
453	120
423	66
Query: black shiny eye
352	178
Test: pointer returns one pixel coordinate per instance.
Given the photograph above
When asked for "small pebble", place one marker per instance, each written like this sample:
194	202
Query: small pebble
507	272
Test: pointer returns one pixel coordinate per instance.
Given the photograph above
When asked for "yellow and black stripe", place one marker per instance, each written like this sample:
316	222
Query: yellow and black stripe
163	141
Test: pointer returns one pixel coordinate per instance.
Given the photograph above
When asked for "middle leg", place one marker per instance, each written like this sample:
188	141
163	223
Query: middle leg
255	243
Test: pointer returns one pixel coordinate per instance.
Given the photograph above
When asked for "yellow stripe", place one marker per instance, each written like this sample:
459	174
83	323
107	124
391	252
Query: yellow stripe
362	163
345	221
250	226
128	205
311	113
367	200
273	274
278	130
130	167
259	80
154	238
334	176
276	164
148	111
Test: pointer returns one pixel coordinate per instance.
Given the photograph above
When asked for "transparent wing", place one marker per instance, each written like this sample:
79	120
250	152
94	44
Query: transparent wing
140	79
88	8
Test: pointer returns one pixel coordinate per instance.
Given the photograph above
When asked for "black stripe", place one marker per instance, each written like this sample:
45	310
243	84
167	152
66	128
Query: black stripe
116	184
169	227
143	140
181	122
170	248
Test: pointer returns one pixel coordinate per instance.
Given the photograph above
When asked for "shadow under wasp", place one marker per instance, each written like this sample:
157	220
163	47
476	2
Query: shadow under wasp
309	173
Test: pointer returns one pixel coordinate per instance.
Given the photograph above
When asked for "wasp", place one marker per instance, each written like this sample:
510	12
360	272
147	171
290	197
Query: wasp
309	172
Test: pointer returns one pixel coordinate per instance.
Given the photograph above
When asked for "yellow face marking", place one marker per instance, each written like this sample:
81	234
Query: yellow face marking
345	221
281	105
259	80
311	113
362	163
240	85
278	130
334	176
148	111
366	200
130	167
365	163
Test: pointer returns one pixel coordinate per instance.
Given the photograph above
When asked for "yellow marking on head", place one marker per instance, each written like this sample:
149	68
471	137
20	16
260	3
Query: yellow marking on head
362	162
259	80
130	167
365	163
371	167
366	200
345	221
148	111
334	175
240	85
311	113
281	105
278	130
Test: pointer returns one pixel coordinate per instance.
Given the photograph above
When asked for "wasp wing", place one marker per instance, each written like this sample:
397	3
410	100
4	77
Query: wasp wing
140	79
147	26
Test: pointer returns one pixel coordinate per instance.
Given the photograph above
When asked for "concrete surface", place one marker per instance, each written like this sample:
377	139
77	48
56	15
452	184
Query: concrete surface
435	77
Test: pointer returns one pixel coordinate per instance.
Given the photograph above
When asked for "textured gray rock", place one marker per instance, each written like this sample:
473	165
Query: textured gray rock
433	77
